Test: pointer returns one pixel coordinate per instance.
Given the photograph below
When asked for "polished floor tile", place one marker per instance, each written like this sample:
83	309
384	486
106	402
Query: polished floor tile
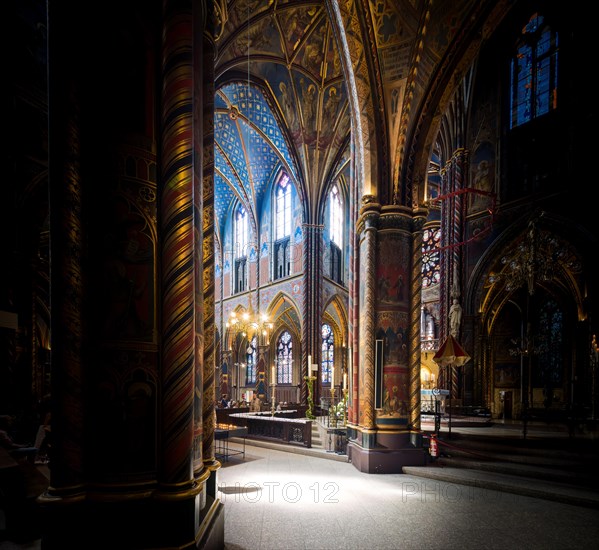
277	500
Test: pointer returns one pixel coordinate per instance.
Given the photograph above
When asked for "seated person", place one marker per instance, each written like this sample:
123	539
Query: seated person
17	450
223	401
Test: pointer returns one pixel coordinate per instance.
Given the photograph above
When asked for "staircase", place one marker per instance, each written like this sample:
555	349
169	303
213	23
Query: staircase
560	469
316	437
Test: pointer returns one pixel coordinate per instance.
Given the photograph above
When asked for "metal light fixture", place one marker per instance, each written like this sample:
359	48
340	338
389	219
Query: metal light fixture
250	323
537	258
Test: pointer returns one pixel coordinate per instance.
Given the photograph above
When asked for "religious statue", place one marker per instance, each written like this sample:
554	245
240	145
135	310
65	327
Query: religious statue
455	318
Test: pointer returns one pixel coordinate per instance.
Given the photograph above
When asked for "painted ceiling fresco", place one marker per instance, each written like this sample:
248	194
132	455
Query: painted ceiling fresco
283	98
281	102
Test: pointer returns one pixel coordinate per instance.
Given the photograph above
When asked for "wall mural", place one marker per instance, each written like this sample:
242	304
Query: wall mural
391	327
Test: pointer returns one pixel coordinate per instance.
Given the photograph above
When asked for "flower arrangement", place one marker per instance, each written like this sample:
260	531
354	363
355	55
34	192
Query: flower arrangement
339	409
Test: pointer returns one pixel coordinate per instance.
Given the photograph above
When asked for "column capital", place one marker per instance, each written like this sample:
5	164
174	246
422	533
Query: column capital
369	215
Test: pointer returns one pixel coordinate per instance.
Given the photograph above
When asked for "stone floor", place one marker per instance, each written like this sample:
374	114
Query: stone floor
313	499
280	500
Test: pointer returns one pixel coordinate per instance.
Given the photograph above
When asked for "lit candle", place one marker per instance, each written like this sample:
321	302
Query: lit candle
273	375
345	380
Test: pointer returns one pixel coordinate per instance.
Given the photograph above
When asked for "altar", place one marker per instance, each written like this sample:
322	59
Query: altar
280	426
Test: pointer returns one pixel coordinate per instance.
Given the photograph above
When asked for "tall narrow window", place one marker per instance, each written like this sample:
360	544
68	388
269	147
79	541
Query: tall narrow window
283	215
336	233
282	249
251	359
241	232
550	347
284	358
431	267
336	217
328	354
534	72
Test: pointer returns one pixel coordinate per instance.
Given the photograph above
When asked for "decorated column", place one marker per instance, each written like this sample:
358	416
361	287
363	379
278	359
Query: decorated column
367	227
386	437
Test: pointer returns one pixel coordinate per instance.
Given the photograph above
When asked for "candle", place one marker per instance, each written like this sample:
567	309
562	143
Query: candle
345	380
273	375
309	364
332	376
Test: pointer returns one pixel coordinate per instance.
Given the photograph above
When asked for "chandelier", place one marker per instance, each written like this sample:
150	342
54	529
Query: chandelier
537	258
250	323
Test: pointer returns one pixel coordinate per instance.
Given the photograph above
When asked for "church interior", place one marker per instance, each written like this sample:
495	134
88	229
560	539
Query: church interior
303	204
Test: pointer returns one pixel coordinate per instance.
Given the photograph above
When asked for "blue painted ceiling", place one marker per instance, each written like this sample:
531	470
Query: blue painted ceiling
281	103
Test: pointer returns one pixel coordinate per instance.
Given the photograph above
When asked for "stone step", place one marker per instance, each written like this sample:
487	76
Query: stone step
550	468
561	492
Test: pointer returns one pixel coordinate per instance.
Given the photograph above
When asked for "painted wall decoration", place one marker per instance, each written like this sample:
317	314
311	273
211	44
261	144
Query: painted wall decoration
482	177
392	276
392	271
395	398
391	329
129	275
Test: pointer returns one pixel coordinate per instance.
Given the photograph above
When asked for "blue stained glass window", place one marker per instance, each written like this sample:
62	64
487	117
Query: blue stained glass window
284	358
534	72
328	354
550	345
251	359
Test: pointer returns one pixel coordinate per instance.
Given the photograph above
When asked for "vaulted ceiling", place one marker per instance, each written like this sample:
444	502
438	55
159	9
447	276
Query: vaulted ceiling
286	99
281	102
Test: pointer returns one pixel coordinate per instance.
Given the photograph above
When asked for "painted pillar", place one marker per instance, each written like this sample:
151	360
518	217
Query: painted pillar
393	293
452	235
311	320
367	228
387	437
414	333
176	226
206	384
66	251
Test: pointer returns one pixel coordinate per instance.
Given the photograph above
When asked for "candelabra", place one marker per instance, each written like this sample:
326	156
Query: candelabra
333	415
273	385
272	406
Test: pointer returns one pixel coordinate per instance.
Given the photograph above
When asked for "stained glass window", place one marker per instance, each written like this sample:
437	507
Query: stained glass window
550	345
328	354
431	269
534	72
284	358
251	359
